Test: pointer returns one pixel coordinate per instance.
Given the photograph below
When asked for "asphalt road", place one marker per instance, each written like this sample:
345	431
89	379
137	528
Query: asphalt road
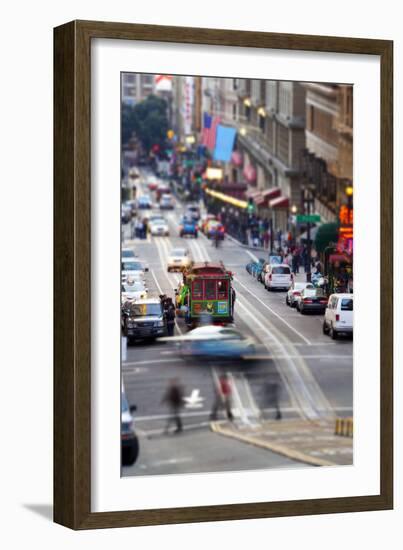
298	370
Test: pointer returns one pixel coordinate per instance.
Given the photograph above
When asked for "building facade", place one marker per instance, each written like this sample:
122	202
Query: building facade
136	87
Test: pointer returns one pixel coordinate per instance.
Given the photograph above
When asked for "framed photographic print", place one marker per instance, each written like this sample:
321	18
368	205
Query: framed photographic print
223	227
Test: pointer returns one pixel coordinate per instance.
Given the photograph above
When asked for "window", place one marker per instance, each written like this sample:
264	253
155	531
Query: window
197	290
346	304
281	270
222	290
210	290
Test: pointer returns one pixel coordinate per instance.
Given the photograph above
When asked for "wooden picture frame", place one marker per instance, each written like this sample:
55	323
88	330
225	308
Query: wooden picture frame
72	273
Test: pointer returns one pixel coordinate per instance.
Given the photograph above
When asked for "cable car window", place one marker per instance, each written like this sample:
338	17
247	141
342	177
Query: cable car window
210	288
197	290
222	289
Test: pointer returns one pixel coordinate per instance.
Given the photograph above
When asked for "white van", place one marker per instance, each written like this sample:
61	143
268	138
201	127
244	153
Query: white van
339	315
278	276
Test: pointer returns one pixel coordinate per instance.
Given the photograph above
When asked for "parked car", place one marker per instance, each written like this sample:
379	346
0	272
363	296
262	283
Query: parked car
311	299
131	269
128	253
133	289
278	276
295	291
339	315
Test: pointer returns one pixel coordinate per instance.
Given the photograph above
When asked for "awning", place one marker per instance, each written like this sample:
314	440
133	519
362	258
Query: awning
280	202
271	193
253	193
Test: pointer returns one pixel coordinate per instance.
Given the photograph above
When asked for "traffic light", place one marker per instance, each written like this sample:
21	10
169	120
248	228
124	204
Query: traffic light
251	206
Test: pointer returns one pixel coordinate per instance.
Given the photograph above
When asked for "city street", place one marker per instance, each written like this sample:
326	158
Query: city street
298	370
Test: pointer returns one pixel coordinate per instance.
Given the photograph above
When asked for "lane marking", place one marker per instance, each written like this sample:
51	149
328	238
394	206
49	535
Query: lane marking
273	312
299	380
150	362
254	258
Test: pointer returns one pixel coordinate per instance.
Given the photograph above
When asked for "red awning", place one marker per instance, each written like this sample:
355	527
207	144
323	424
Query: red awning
271	193
339	258
280	202
253	193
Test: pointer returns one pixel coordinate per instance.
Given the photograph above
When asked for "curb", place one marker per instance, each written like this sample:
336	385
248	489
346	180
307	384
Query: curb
248	246
279	449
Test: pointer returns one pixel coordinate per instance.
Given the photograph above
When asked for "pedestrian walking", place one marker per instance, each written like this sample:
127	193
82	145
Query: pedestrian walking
173	397
223	398
169	309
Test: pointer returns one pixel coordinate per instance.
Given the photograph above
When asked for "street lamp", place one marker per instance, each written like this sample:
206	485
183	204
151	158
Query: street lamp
294	209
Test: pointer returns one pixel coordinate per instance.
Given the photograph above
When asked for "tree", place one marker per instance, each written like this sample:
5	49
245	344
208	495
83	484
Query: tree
147	120
326	234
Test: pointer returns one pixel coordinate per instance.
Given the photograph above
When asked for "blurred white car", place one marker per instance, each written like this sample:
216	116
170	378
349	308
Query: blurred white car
339	315
179	259
133	289
167	202
158	226
216	341
132	269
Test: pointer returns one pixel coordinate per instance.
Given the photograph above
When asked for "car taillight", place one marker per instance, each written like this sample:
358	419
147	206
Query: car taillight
323	301
307	301
296	293
337	317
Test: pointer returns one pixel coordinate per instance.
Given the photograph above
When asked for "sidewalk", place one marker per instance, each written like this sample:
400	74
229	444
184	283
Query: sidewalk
297	439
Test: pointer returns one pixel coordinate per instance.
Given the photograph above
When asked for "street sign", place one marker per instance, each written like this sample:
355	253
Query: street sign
308	218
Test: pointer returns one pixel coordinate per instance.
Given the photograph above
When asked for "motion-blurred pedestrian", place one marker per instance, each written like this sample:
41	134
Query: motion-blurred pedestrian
223	398
174	399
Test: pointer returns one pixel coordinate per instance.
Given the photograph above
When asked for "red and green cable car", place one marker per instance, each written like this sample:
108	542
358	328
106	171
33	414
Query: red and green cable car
210	293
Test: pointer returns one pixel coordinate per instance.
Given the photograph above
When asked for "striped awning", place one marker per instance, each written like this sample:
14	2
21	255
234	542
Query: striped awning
280	202
271	193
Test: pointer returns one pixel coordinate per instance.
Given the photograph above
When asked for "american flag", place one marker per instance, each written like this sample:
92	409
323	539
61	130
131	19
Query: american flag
209	134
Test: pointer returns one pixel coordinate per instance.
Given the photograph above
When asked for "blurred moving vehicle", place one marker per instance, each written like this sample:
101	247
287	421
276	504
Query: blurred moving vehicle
339	315
133	289
205	221
131	269
294	291
167	202
216	341
278	276
193	211
152	185
158	226
143	319
144	202
129	439
188	226
179	259
311	299
215	230
162	189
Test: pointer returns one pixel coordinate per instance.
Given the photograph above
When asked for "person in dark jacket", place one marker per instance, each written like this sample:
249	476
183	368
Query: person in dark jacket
174	399
169	309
